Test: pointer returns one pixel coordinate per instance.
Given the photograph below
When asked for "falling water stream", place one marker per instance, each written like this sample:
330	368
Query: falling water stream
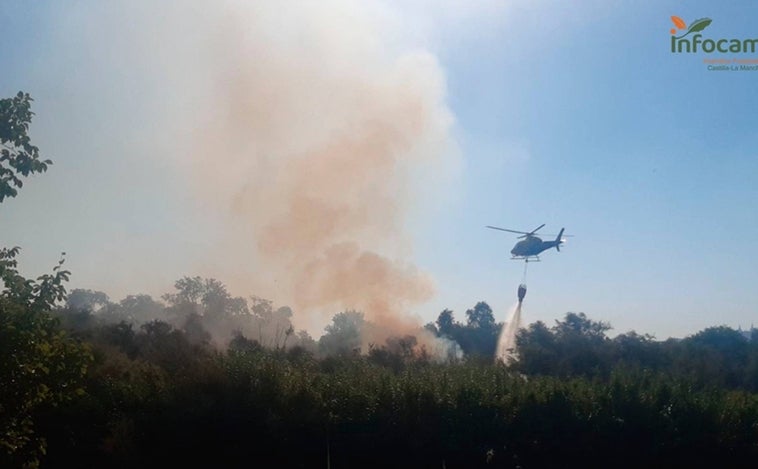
506	343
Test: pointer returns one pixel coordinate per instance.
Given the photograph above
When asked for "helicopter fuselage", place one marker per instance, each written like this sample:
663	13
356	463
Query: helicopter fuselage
532	246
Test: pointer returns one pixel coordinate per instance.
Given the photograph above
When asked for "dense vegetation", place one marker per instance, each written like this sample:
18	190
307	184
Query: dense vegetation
155	397
201	378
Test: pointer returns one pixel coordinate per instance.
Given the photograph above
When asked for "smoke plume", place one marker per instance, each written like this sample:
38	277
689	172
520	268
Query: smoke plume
315	128
278	146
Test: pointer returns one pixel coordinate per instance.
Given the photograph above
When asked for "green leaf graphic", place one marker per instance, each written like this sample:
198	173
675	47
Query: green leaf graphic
699	25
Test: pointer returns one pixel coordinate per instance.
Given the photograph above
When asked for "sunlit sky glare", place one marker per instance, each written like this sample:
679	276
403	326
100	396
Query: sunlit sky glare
572	114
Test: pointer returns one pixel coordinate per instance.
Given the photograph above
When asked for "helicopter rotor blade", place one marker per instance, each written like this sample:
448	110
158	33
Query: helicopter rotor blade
535	230
505	229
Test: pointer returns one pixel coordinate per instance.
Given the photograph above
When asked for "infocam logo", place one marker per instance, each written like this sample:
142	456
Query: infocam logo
696	43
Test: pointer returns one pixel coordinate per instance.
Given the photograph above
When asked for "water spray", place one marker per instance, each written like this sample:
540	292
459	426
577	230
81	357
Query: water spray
506	343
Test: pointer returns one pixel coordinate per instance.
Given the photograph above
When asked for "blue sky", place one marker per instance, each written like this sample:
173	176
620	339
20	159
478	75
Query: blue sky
576	116
647	157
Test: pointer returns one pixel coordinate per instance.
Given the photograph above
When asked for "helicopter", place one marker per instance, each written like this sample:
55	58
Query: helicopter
532	245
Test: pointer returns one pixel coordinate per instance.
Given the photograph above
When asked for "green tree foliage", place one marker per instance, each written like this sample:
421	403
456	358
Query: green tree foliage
206	304
78	313
481	332
478	337
40	365
717	356
343	335
576	346
273	327
158	397
446	323
86	300
137	309
480	316
18	157
256	404
202	308
206	297
40	294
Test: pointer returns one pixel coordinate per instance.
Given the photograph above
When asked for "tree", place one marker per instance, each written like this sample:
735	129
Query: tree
88	300
137	309
40	366
18	157
576	346
579	325
717	355
481	316
639	350
188	290
537	349
78	312
41	294
271	327
343	335
479	337
445	323
206	297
